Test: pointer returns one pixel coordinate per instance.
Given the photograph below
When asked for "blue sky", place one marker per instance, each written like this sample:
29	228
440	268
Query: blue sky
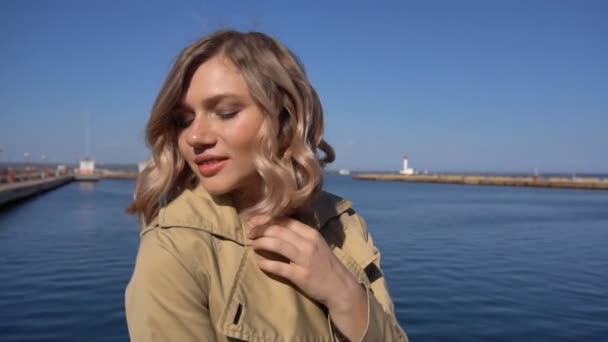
455	85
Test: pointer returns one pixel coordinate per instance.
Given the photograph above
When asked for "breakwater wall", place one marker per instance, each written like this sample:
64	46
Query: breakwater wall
531	181
112	174
20	190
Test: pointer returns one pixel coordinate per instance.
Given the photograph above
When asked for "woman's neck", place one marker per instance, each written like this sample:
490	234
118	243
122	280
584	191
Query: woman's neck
247	196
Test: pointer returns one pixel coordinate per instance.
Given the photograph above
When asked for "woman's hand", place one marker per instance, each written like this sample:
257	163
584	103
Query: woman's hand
314	269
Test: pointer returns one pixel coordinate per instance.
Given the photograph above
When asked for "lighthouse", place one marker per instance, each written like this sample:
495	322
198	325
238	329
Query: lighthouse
406	169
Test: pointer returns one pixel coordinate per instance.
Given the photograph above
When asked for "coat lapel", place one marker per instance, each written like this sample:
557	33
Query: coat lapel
263	308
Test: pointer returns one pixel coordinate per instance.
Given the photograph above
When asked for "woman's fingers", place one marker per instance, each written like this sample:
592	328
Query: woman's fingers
283	233
278	246
292	272
257	225
305	240
286	242
310	264
307	232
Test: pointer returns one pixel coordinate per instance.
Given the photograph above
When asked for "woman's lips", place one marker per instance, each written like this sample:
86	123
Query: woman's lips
211	167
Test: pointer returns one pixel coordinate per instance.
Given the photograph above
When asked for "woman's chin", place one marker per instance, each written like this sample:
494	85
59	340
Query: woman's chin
215	187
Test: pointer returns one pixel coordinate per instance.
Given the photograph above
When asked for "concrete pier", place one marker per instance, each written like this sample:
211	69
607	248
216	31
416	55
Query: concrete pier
16	191
539	182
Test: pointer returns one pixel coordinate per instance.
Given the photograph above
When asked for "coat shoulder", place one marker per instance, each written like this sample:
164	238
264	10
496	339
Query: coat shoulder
180	242
197	210
336	212
328	206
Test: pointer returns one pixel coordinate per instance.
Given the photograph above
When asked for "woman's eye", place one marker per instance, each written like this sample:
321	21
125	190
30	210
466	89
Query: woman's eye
183	120
228	114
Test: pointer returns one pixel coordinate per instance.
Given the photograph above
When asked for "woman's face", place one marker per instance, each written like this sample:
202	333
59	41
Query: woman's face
219	122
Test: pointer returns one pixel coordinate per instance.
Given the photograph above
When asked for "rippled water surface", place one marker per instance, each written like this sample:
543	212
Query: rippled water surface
464	263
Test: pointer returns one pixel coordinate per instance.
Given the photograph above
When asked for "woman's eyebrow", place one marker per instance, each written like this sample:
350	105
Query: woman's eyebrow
211	102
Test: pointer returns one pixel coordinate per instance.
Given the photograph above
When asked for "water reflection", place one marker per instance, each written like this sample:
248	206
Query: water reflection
87	186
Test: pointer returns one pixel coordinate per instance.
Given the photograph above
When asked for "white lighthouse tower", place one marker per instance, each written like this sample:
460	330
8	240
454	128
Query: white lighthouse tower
406	169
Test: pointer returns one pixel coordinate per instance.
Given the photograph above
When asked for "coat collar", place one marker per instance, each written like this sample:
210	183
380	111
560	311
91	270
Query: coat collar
197	209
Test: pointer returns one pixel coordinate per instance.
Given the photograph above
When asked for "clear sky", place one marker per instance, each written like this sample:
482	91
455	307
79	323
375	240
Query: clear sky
455	85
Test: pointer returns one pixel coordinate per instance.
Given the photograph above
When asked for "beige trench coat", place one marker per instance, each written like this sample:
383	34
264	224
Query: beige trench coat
196	279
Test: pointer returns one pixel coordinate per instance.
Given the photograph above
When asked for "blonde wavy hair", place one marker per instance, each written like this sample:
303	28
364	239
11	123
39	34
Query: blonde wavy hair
288	158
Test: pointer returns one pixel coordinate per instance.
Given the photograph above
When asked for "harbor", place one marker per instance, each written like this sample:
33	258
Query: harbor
20	184
515	256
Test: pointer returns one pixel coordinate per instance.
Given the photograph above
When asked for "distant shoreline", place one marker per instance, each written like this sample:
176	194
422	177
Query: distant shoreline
329	169
577	182
566	174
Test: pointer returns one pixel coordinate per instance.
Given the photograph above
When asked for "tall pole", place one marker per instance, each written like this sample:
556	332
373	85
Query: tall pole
87	137
26	156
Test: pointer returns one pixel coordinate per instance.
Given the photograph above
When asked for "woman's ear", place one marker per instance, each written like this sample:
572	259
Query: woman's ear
285	131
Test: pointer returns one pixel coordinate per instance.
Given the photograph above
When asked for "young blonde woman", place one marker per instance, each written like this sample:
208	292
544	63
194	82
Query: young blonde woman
240	243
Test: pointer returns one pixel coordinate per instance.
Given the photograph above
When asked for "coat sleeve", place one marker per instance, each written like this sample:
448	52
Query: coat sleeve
382	324
166	300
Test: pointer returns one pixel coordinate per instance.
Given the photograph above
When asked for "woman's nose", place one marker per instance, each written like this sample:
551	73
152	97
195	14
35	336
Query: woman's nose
201	132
